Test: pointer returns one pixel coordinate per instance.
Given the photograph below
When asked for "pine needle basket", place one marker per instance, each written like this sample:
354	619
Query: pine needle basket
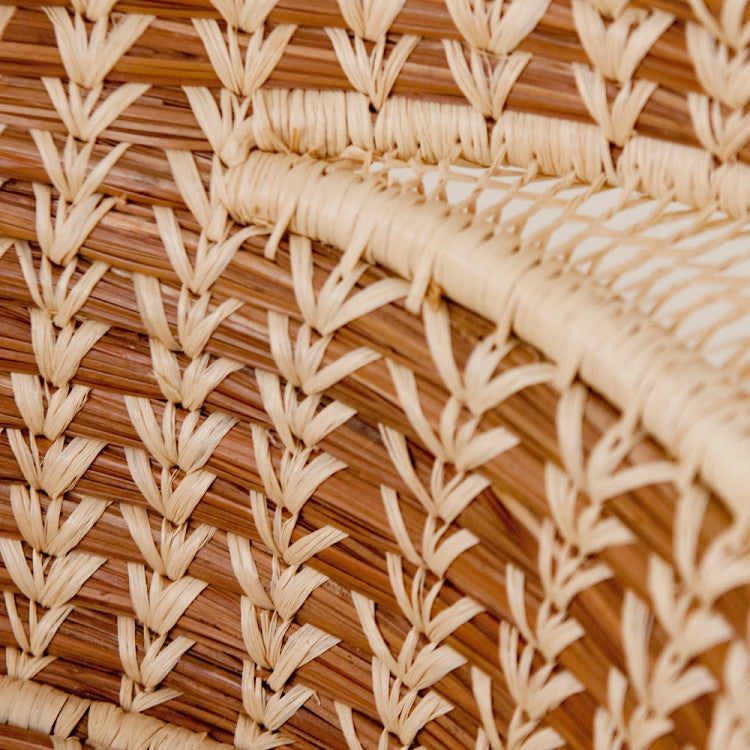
375	374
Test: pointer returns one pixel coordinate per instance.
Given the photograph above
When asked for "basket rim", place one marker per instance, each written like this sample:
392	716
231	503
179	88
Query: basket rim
694	410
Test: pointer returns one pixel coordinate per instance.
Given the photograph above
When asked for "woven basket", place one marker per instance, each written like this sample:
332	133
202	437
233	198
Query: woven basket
375	374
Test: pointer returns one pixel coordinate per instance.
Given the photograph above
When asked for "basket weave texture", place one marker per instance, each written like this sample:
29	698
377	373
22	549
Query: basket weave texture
375	374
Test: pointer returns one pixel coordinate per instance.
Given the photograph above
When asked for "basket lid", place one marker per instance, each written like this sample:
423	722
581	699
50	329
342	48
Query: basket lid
374	374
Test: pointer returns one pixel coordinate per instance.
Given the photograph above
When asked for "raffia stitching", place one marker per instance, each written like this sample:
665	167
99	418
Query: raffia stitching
48	405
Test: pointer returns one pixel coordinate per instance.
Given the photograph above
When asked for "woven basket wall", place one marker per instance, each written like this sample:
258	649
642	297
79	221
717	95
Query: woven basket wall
375	374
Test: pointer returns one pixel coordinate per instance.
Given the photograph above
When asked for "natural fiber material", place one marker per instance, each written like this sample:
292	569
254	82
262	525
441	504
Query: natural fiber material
374	374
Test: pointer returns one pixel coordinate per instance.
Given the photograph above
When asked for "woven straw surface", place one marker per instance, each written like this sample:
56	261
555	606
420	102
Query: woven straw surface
374	374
